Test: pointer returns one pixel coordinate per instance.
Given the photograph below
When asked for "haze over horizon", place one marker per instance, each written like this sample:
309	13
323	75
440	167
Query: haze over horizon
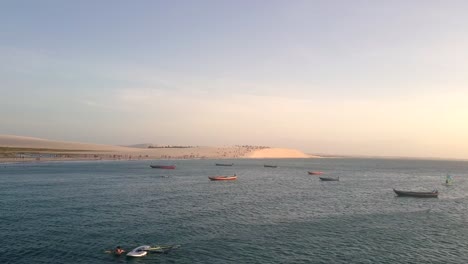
370	78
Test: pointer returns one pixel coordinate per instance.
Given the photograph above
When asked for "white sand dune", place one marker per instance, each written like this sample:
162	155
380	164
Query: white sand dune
277	153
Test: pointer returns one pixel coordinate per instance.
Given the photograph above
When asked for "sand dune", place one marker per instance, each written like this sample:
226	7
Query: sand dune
75	150
31	142
277	153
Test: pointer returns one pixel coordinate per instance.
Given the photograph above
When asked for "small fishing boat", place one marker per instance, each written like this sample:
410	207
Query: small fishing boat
315	172
223	178
139	252
224	164
270	166
432	194
329	179
167	167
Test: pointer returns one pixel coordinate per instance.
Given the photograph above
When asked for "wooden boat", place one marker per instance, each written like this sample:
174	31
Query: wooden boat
167	167
432	194
329	179
315	172
270	166
224	164
223	178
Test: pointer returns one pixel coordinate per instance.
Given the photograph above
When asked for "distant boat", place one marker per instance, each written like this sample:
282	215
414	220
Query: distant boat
224	164
432	194
329	179
167	167
315	172
223	178
270	166
448	180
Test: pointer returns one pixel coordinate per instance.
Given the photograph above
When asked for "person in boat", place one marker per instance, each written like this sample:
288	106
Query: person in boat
118	251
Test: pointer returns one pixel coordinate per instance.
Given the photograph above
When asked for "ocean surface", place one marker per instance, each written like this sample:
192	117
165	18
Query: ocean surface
72	212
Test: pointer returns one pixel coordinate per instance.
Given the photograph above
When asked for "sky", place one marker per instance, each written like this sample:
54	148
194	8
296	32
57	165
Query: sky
368	78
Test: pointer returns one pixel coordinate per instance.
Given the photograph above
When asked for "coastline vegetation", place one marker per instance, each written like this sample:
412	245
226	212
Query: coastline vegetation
9	152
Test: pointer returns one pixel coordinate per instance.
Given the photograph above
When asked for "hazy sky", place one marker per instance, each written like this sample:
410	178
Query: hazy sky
336	77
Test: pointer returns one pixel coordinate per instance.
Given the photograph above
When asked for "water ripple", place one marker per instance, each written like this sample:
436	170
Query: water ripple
72	213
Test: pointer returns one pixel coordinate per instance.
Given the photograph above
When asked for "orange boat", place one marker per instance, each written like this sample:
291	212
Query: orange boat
223	178
315	172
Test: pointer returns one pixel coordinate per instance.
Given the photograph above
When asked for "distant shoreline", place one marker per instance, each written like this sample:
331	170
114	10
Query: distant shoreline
37	155
27	149
77	159
87	157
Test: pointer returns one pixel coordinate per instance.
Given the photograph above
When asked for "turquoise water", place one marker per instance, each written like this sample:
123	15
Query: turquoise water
72	212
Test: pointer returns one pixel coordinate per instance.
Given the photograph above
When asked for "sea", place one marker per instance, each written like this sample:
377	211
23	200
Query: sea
73	212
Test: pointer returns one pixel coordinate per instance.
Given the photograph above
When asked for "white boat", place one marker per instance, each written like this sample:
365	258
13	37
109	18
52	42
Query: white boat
139	252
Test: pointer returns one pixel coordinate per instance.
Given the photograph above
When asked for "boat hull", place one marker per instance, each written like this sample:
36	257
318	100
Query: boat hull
417	194
139	252
223	178
270	166
223	164
166	167
315	172
329	179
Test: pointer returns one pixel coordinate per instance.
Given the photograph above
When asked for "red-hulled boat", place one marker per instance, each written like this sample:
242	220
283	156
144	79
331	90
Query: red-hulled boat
315	172
223	178
167	167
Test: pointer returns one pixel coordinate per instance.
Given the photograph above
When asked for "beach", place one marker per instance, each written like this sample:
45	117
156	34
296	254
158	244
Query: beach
28	149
